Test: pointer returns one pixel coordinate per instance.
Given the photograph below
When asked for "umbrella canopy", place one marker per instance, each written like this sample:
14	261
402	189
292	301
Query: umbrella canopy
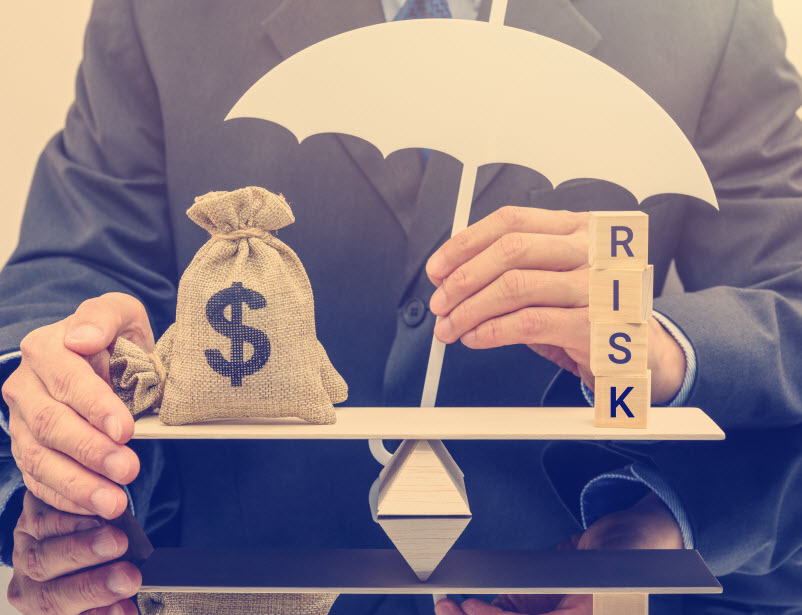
482	94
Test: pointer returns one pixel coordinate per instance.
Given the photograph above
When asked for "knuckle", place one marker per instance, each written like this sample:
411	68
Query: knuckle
511	246
71	484
463	314
34	564
10	389
512	284
63	384
14	593
32	458
43	421
457	282
511	216
30	343
532	324
88	589
463	240
46	603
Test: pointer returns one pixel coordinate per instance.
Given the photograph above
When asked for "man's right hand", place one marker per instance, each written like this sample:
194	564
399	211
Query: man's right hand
53	554
66	424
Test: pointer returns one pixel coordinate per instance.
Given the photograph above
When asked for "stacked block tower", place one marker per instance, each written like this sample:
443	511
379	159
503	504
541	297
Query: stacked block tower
620	306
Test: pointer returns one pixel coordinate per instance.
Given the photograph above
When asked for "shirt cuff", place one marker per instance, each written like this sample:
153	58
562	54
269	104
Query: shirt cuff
621	489
690	364
8	363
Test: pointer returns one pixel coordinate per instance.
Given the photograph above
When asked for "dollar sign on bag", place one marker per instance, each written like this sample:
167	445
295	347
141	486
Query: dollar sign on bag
236	295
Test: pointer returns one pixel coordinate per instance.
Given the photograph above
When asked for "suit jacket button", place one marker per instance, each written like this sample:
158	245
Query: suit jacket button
413	312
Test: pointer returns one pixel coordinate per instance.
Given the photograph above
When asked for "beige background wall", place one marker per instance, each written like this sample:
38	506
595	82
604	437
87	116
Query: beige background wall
39	52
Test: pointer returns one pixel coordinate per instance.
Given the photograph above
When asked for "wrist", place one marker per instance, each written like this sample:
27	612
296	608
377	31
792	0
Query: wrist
666	362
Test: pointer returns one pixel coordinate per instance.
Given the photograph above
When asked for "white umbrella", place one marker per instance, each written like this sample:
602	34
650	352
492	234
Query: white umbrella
542	104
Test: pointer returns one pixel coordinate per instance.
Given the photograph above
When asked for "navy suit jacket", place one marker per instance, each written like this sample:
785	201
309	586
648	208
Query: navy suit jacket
106	212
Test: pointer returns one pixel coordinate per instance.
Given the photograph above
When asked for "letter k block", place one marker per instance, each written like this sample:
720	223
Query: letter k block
623	401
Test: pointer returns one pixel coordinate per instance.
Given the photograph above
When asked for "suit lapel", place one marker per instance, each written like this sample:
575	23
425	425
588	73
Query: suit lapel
291	29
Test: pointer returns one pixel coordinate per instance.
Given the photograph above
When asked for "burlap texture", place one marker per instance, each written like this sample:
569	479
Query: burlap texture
234	604
137	379
244	341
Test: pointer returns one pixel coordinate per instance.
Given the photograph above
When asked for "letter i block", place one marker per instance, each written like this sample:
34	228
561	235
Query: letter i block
621	295
619	240
618	349
623	401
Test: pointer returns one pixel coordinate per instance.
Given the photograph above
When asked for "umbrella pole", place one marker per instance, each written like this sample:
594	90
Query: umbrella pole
437	352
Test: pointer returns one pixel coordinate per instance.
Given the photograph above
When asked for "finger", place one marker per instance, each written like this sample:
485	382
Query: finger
567	328
48	559
447	607
474	606
479	236
41	520
512	291
123	607
54	470
53	498
98	322
75	593
510	252
56	426
72	381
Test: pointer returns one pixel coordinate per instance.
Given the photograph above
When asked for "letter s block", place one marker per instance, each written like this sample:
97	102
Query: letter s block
623	295
618	349
623	401
618	240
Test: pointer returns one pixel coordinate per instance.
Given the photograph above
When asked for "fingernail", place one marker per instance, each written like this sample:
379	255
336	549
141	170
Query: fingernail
87	524
85	333
104	501
444	329
116	609
117	466
436	264
119	583
104	545
113	427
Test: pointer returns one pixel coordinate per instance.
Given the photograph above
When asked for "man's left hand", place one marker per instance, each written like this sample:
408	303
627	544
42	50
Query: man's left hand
647	525
520	276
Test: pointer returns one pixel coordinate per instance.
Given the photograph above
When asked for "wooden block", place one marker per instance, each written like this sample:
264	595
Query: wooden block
619	240
623	401
618	349
423	541
620	604
623	295
422	479
462	571
454	423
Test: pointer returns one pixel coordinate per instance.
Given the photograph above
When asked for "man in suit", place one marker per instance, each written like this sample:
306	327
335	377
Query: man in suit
146	134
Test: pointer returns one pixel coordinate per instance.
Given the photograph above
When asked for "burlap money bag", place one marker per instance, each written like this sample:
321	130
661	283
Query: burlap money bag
244	341
152	603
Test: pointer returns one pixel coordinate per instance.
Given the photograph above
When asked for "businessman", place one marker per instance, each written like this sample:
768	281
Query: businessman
105	240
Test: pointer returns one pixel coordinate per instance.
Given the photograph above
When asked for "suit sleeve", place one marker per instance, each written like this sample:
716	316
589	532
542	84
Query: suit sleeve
742	266
96	218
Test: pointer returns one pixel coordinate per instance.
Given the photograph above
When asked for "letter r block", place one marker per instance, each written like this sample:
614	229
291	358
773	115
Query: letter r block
618	349
623	295
623	401
618	240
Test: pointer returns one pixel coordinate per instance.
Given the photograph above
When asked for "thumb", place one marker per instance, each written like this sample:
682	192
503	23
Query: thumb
98	322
